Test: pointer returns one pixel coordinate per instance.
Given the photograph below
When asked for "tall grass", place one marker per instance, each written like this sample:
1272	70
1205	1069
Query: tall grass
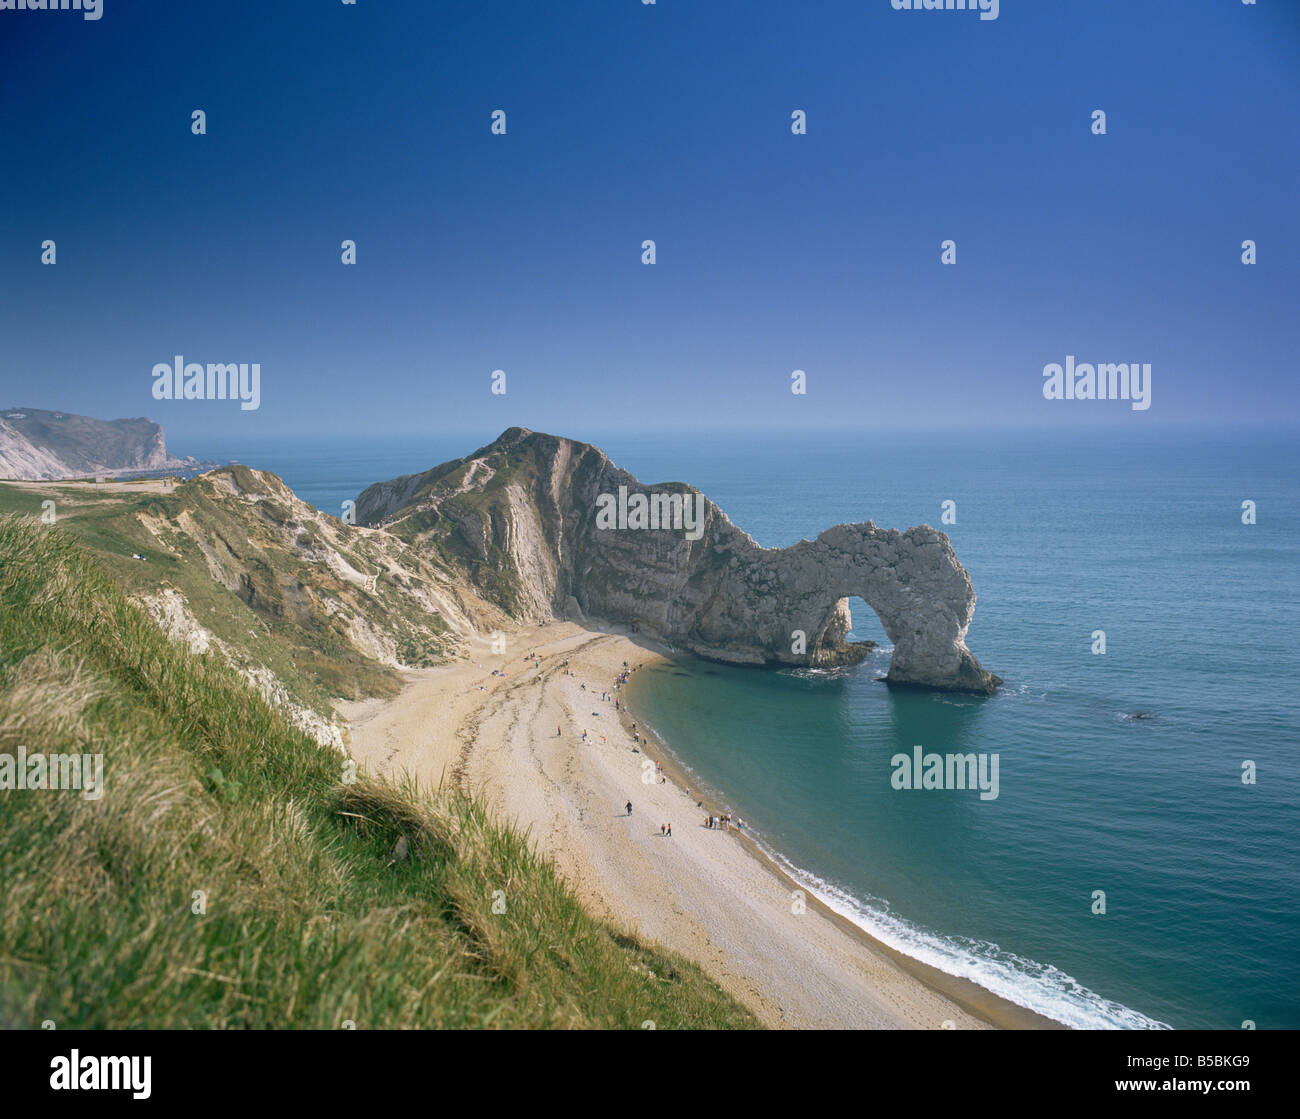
230	878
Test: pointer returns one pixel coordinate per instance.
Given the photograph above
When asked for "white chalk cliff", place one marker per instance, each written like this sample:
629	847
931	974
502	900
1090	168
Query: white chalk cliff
38	445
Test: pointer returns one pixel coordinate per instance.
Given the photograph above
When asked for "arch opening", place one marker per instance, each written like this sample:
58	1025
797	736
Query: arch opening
848	633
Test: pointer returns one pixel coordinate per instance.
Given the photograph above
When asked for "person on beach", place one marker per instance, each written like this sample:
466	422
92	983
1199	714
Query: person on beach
661	828
629	808
670	831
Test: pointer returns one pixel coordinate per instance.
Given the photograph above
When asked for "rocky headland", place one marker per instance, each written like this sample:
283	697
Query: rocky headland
39	445
522	518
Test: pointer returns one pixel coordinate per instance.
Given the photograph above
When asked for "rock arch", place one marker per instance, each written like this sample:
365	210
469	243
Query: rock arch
912	580
518	517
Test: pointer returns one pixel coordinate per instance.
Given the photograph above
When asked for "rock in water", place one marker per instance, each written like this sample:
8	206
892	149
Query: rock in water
525	520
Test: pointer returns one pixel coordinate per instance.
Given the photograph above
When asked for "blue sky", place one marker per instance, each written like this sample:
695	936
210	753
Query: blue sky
625	122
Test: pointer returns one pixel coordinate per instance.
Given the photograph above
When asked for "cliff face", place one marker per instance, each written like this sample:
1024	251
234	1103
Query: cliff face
327	591
304	607
37	445
528	520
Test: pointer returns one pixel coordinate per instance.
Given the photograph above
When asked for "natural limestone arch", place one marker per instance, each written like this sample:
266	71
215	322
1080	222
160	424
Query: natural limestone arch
519	516
911	580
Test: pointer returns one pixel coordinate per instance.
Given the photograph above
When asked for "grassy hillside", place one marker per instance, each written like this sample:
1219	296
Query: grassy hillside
325	902
460	514
328	609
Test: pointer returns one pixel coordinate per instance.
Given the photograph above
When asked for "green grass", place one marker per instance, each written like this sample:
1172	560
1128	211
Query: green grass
310	918
262	619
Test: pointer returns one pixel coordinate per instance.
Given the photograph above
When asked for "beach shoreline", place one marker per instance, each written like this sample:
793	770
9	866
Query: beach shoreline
978	1001
714	896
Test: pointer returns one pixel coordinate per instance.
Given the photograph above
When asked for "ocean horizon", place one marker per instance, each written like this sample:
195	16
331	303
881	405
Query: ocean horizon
1123	876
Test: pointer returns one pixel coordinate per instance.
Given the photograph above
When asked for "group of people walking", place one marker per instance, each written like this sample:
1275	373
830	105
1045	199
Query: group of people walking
722	823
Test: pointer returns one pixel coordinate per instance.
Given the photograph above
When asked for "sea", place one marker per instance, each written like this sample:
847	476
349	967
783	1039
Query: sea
1139	867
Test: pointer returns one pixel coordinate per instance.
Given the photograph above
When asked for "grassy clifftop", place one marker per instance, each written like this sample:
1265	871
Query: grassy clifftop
235	559
322	901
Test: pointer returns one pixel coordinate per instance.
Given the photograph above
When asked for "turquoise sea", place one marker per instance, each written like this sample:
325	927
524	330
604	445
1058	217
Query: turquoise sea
1063	533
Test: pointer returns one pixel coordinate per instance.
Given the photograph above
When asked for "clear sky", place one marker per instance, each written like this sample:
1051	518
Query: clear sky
671	121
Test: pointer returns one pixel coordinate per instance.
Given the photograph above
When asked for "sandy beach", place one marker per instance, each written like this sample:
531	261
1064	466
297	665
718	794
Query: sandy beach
512	732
